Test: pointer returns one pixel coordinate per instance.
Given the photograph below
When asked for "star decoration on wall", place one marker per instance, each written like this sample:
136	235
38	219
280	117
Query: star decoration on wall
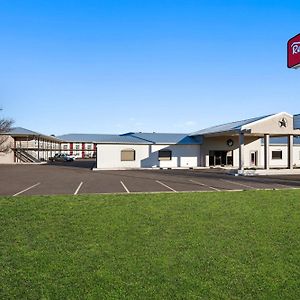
283	123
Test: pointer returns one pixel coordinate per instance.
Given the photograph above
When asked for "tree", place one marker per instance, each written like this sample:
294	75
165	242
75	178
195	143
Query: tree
5	126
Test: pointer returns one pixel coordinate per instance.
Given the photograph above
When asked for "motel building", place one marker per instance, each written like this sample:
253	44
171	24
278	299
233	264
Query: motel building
257	146
27	146
79	145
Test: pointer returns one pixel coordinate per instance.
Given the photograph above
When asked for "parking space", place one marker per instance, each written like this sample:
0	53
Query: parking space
77	178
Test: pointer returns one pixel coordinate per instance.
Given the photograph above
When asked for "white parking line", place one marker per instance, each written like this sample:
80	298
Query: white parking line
77	190
238	183
124	186
200	183
166	186
29	188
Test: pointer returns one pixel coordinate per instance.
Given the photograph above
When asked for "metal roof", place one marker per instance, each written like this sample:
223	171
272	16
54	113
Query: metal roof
167	138
101	138
133	138
20	131
233	126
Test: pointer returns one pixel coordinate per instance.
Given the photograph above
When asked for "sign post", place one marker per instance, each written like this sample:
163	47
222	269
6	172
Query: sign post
293	52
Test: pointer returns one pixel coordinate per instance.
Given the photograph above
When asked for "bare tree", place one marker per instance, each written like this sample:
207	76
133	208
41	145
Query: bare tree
5	127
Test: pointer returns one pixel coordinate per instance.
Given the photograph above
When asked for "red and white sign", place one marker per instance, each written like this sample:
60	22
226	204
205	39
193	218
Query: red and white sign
293	52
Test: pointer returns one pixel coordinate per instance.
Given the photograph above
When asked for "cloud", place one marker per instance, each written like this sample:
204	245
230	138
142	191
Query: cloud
190	123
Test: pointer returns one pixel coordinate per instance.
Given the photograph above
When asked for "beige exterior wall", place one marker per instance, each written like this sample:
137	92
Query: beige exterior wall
220	144
271	125
7	157
282	163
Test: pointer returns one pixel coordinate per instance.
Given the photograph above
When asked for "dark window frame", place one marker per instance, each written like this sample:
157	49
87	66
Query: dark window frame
164	155
277	154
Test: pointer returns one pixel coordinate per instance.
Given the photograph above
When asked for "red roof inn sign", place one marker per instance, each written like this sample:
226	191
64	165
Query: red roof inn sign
293	52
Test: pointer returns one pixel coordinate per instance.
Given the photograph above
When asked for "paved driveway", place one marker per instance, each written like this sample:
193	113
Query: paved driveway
77	178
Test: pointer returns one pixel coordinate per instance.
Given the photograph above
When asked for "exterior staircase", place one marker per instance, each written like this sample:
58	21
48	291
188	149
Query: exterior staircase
24	156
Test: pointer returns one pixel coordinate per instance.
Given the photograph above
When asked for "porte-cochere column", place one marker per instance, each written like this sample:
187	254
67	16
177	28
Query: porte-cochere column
267	151
241	151
290	151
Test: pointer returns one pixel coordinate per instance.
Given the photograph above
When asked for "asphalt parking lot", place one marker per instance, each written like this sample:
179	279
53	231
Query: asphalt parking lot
78	178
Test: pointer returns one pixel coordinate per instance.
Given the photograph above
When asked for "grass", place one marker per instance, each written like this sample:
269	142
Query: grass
242	245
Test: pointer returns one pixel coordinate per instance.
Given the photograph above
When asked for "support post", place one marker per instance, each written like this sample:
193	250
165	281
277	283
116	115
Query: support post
15	150
267	151
290	151
95	150
38	154
241	151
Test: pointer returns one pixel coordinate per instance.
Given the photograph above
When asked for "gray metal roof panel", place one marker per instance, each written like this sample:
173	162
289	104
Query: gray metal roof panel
233	126
20	131
167	138
23	131
134	138
101	138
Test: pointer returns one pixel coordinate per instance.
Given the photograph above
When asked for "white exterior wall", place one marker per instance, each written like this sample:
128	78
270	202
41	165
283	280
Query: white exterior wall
146	156
182	156
296	154
281	163
251	144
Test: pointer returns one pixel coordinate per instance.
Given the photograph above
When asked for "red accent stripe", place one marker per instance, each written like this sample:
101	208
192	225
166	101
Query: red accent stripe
71	148
83	150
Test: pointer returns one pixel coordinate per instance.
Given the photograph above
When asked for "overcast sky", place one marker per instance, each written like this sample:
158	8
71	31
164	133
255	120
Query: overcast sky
135	65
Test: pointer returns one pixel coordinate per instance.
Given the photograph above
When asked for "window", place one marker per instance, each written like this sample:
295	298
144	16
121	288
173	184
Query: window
65	147
164	155
128	155
253	158
89	147
277	154
77	147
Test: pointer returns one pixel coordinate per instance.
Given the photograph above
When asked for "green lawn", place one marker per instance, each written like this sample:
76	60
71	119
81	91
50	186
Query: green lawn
241	245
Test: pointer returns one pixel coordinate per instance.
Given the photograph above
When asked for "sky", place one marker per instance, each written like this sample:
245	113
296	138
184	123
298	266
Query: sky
114	66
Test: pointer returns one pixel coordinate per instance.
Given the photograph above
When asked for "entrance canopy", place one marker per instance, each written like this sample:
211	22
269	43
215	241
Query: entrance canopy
281	124
276	125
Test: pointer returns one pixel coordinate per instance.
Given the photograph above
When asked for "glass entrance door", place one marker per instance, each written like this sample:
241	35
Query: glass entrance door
220	158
